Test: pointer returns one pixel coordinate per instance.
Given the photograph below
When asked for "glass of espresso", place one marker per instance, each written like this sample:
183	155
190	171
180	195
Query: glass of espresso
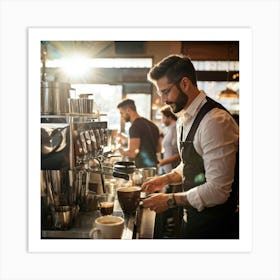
106	203
129	198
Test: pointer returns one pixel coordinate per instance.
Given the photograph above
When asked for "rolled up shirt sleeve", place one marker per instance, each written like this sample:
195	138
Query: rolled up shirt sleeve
179	168
216	141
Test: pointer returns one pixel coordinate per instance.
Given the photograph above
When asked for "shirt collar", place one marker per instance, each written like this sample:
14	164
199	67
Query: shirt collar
193	108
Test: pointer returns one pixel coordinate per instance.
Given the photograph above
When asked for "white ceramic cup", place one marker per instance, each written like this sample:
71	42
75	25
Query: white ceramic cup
107	227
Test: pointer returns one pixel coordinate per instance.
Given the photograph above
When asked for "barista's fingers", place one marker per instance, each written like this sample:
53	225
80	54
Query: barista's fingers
149	189
147	203
156	209
147	183
146	188
153	207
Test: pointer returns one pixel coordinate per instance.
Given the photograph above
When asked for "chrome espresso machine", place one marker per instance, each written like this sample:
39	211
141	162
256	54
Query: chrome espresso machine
75	146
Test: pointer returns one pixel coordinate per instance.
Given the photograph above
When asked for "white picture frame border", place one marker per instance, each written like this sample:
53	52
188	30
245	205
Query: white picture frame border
241	34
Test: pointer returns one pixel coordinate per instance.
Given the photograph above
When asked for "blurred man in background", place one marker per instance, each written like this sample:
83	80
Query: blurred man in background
144	141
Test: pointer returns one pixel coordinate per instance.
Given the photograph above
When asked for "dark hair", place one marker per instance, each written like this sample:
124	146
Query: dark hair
166	111
174	67
127	103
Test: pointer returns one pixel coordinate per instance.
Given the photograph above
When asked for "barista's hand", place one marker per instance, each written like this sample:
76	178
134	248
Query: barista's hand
156	202
153	184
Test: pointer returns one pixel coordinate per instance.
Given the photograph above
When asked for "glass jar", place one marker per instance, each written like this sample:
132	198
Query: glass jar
137	177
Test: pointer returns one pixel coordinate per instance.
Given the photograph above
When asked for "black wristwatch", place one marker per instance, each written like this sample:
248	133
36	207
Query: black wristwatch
171	202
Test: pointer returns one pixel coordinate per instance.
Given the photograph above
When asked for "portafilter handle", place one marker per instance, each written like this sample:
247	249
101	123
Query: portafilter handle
120	175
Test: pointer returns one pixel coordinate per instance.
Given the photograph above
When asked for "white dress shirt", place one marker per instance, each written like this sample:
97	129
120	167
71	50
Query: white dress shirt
216	141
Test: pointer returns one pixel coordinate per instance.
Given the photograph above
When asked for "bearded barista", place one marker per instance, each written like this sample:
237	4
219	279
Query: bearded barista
208	141
144	141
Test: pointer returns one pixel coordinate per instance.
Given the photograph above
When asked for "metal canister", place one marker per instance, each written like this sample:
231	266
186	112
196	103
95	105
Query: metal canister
148	172
54	97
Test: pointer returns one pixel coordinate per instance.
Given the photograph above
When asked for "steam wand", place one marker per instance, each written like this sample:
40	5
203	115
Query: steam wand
102	172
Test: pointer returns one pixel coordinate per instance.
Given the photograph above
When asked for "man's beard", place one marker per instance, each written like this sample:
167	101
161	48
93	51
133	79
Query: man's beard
167	123
127	118
179	103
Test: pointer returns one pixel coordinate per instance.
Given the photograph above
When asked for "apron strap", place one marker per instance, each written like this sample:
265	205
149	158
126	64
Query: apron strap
208	106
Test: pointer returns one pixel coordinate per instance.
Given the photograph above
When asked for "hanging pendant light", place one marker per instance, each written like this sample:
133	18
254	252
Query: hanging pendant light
228	93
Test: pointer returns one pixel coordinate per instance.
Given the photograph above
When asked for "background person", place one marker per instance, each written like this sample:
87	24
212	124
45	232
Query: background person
170	155
208	138
144	141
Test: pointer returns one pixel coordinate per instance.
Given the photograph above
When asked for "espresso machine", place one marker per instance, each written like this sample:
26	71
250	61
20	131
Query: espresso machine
74	148
74	145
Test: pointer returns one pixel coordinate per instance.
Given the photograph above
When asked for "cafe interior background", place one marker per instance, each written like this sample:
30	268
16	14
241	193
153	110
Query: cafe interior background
113	70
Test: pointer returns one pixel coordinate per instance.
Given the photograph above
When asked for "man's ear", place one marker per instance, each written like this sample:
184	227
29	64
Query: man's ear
185	83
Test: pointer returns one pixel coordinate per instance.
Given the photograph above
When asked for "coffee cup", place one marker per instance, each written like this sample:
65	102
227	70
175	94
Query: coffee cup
107	227
105	203
129	198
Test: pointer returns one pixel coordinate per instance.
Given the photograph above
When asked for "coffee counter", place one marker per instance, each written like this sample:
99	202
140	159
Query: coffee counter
136	227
